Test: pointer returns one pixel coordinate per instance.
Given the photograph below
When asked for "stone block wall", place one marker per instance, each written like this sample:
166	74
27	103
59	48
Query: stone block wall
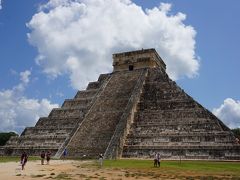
172	123
52	132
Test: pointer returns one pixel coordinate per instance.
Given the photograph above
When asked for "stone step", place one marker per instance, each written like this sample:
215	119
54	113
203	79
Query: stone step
174	134
40	137
172	114
36	145
79	103
30	144
118	93
48	130
37	139
169	122
177	127
185	147
165	96
33	151
161	105
93	85
103	77
182	143
58	122
67	113
159	90
86	153
158	111
162	85
166	101
86	93
110	105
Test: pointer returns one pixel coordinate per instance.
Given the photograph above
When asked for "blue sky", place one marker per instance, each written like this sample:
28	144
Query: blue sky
49	49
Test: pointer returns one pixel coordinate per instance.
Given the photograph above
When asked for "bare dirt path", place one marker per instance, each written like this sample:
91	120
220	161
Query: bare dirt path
58	169
33	169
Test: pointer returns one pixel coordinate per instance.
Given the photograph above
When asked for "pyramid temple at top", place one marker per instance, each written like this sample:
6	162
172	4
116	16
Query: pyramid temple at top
134	111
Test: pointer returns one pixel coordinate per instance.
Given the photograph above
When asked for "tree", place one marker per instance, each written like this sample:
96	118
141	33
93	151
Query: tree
236	132
5	136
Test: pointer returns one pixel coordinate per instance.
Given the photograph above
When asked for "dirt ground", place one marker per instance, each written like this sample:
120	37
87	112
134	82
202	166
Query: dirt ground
70	169
58	169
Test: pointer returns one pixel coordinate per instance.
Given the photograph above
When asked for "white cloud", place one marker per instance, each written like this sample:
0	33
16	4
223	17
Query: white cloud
24	76
0	4
229	112
78	37
18	111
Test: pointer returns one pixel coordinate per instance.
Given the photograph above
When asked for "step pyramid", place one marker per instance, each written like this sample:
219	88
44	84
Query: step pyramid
133	112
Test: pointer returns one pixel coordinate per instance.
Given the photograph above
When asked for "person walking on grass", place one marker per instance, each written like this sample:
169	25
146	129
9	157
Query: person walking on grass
100	160
155	161
42	155
24	158
158	159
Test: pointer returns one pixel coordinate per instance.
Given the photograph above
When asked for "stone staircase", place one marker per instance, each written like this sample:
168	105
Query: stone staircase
52	132
170	122
98	126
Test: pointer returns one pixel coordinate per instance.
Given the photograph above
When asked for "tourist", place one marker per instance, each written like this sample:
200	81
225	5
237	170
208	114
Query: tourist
155	161
158	159
42	155
24	158
64	153
48	155
101	159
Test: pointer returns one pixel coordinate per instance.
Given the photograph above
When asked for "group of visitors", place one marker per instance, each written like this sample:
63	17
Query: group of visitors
46	155
43	155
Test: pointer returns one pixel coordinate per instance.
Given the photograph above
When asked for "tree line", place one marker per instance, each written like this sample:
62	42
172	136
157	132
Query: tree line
5	136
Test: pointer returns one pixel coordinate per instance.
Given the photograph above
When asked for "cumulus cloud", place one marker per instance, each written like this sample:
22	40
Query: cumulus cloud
78	37
24	76
229	113
18	111
0	4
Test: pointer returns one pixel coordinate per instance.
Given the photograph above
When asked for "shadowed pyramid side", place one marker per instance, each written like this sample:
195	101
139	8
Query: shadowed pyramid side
172	123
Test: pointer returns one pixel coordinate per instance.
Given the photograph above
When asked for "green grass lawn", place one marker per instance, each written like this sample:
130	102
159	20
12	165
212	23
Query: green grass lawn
4	159
187	165
211	169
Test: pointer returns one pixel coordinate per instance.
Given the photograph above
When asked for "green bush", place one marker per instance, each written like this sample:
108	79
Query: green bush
5	136
236	132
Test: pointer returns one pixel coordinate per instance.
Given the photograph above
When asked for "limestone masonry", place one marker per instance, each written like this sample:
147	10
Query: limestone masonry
134	111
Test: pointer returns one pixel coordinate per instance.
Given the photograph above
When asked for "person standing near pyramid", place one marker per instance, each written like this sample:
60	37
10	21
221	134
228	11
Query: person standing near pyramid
101	159
48	156
42	155
64	153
